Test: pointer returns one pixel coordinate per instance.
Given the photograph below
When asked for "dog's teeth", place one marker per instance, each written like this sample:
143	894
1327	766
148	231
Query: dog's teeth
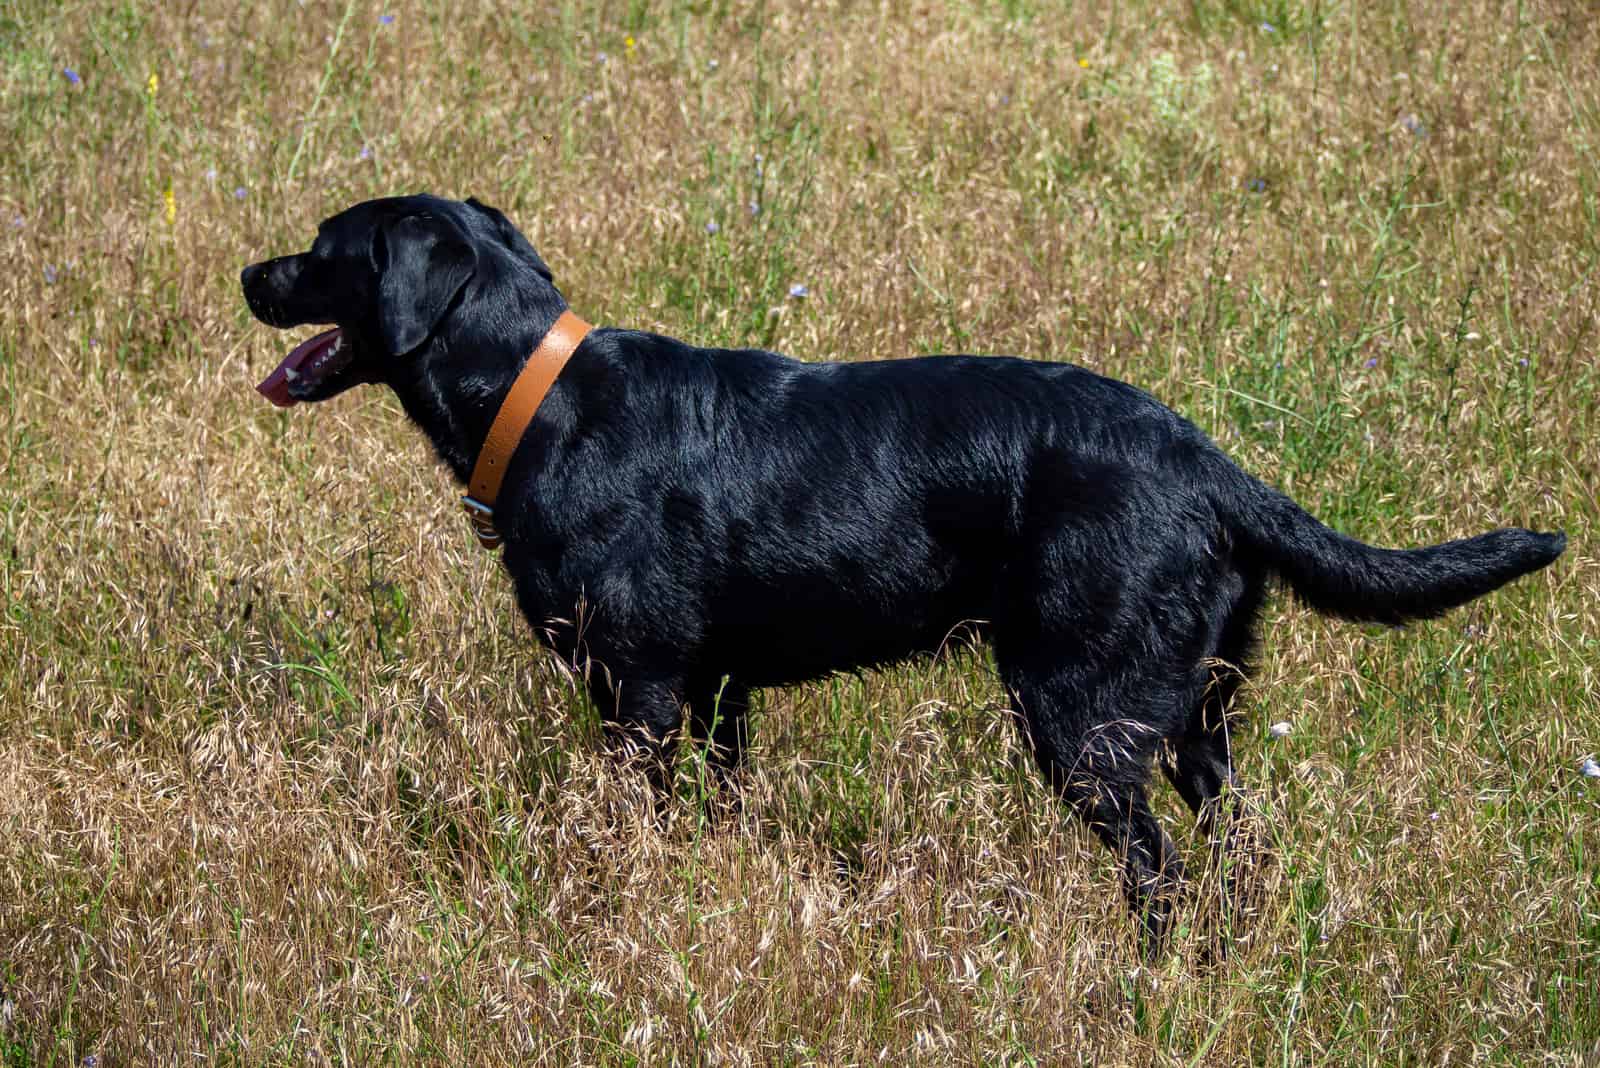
290	373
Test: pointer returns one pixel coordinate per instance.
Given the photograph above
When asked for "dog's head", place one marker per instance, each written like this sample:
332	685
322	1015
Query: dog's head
385	275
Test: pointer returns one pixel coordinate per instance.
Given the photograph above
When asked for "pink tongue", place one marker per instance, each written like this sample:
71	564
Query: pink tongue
275	387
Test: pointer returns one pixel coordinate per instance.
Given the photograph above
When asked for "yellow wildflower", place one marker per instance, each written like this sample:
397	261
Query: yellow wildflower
170	198
1083	62
153	84
627	46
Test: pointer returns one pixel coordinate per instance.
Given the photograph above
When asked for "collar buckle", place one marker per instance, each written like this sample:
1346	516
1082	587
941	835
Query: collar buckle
482	518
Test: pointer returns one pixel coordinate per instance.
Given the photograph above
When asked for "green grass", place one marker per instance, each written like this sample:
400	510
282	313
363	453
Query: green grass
284	779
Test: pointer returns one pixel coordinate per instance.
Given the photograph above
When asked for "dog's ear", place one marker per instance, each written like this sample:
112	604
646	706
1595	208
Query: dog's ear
423	262
512	236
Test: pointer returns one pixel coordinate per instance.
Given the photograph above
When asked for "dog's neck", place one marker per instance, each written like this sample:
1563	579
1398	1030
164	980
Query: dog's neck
484	355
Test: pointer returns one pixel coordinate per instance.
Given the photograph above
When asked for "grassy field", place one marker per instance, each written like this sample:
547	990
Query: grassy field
284	779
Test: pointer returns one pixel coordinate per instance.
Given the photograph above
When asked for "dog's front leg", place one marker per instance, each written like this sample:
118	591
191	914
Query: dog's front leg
642	719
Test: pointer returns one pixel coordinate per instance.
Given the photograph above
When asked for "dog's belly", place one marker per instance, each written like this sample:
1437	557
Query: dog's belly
782	651
764	625
773	630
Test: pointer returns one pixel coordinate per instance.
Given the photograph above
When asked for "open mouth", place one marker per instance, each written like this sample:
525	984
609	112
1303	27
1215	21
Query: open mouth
305	368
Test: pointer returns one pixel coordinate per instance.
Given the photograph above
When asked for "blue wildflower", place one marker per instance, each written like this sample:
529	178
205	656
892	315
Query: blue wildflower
385	19
1258	185
50	274
239	193
712	227
365	153
1267	27
71	75
799	292
1372	361
1413	125
755	208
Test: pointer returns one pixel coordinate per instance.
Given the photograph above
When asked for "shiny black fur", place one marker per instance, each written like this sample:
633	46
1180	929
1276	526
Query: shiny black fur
677	516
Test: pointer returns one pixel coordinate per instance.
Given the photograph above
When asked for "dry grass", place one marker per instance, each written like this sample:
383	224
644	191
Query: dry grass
283	780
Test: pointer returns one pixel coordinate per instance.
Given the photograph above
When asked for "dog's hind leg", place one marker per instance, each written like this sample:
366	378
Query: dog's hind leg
1113	596
1199	760
1199	765
1097	757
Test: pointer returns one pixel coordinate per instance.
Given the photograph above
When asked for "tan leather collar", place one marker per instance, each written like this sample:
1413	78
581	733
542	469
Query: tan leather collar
516	412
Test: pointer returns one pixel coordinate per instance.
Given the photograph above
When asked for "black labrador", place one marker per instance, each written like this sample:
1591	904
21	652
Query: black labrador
690	523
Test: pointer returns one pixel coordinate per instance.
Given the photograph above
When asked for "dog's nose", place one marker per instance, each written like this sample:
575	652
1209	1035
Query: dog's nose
248	276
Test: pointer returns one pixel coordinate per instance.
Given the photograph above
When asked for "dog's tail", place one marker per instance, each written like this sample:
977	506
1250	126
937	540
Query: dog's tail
1344	577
